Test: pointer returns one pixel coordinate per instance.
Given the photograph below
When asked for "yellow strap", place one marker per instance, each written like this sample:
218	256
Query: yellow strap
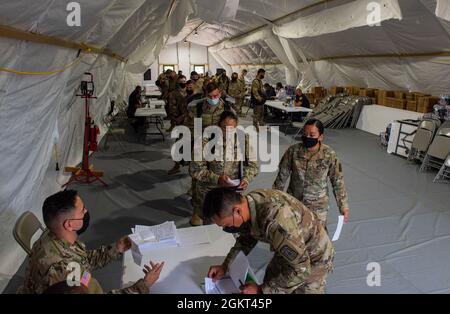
77	60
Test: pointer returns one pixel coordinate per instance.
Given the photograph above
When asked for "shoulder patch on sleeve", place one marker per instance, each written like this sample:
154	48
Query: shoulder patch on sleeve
288	253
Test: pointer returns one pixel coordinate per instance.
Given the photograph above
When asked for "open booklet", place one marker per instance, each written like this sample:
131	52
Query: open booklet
239	273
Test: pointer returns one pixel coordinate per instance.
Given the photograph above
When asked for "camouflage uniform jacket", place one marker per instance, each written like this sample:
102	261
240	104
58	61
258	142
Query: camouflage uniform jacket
223	81
164	85
309	174
207	172
295	235
177	103
51	256
209	114
236	89
257	90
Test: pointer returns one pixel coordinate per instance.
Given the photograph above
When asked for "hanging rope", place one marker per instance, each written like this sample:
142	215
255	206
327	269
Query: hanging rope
74	62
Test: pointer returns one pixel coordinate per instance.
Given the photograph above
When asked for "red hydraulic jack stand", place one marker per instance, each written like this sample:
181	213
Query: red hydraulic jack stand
87	173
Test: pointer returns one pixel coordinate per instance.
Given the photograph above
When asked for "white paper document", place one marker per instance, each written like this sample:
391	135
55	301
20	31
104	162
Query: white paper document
151	237
340	224
235	182
193	236
237	275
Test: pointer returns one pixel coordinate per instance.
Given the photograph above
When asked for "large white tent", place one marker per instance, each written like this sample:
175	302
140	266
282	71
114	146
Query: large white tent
306	42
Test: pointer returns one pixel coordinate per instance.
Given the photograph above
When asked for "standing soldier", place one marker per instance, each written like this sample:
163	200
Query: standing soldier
258	99
176	101
198	82
237	90
222	81
242	77
164	83
218	173
310	164
209	110
303	253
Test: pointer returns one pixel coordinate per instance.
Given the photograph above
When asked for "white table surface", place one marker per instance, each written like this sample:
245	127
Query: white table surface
374	118
185	266
153	93
150	112
279	105
156	102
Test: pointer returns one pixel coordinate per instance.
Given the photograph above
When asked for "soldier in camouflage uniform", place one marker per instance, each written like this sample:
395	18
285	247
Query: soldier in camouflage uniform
222	81
198	82
176	104
163	83
237	90
66	217
303	252
177	111
310	164
258	99
242	77
209	110
216	173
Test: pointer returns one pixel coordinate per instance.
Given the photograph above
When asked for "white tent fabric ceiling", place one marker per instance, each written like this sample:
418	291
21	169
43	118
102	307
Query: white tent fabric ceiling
37	111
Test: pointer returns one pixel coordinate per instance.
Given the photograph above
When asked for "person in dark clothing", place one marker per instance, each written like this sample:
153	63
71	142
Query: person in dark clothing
300	101
134	102
269	91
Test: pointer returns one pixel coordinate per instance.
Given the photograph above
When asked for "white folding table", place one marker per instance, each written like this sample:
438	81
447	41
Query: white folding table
187	265
289	110
152	116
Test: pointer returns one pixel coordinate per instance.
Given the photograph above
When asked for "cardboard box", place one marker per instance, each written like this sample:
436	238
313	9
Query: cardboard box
336	90
425	104
395	102
352	90
411	105
367	92
399	94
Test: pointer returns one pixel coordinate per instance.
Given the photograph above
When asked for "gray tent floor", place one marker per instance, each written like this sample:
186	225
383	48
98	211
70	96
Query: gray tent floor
399	218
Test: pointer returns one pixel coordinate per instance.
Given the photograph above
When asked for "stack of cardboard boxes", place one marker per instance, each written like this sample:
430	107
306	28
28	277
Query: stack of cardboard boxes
352	90
412	101
336	90
425	104
369	92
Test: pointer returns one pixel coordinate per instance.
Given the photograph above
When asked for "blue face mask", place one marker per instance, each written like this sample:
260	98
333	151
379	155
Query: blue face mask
213	102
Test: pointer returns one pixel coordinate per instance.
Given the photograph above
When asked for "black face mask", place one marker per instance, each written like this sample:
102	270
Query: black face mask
234	229
86	220
234	79
297	97
182	85
309	142
189	91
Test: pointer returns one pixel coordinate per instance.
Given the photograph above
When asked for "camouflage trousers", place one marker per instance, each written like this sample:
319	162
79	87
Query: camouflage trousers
258	116
321	213
280	273
237	106
196	201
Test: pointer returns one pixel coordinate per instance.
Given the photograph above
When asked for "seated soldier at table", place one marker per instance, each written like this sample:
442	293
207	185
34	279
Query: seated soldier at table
300	101
134	102
303	253
53	256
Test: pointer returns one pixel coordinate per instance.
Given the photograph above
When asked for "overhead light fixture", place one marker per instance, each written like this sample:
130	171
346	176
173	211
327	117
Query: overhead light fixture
196	33
185	40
